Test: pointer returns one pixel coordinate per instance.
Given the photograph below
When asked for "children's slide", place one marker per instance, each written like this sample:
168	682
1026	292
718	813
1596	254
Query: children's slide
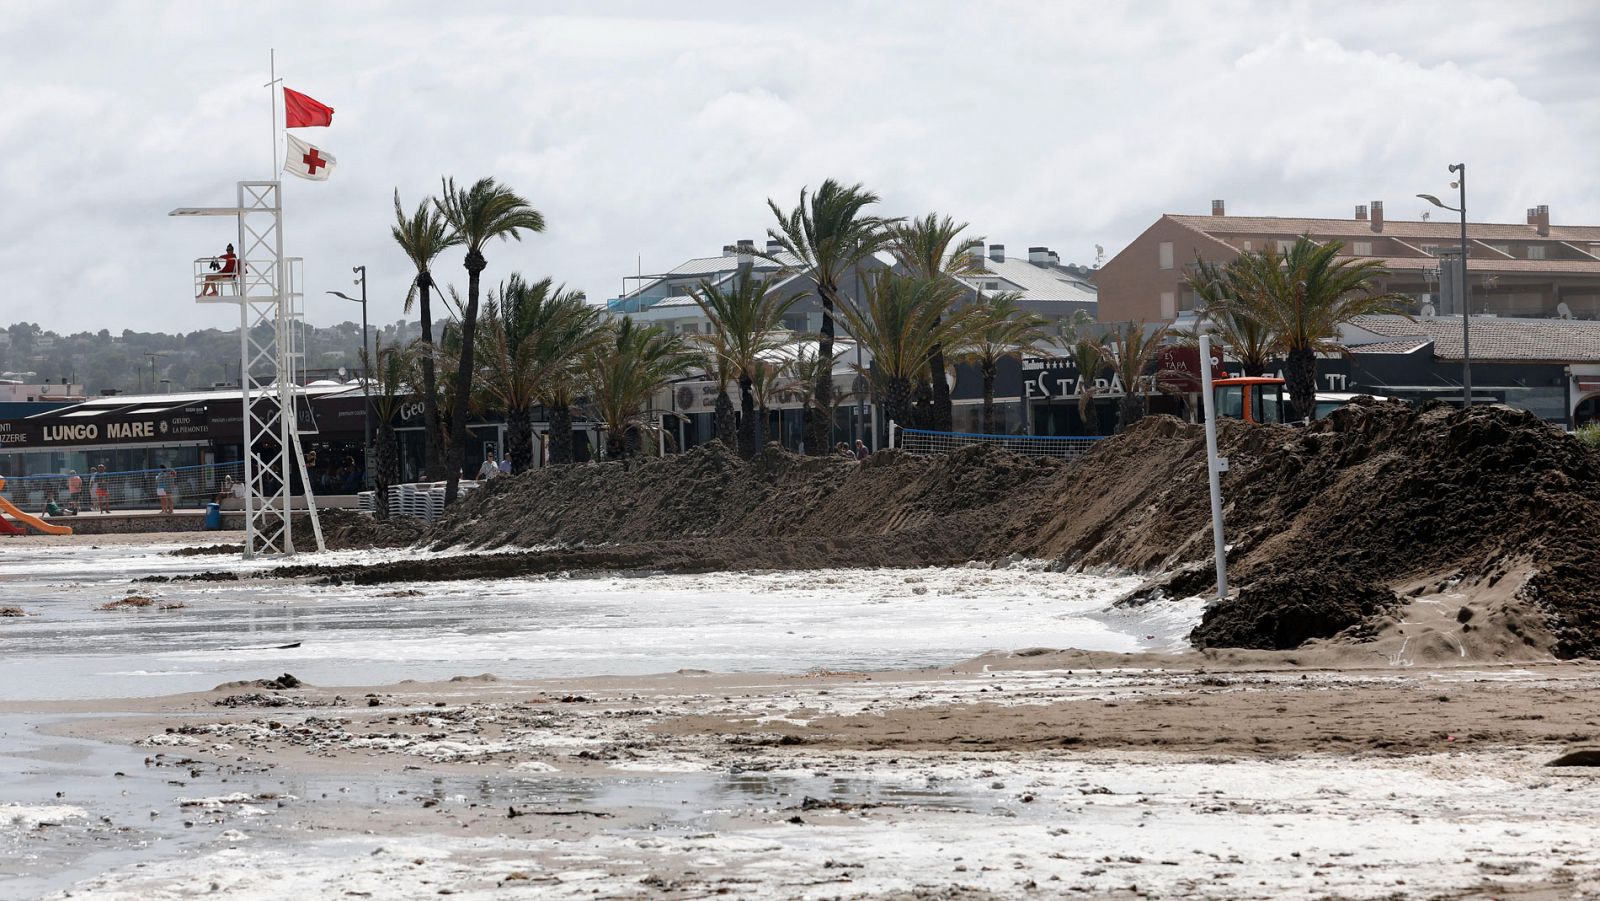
31	521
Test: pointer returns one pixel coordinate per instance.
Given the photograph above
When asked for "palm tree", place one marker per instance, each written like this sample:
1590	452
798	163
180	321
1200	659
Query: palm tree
723	424
1087	355
391	375
746	317
1303	297
1251	343
623	375
476	215
1131	350
829	237
806	369
901	320
423	236
997	329
530	333
932	248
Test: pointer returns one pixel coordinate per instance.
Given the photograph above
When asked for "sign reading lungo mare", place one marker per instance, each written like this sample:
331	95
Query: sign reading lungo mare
187	423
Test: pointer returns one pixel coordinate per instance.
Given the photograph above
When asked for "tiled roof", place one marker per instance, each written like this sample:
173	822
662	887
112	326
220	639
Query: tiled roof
1037	282
1442	229
1493	338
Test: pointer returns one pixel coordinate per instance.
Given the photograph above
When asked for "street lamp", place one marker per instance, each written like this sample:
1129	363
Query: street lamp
1466	307
366	372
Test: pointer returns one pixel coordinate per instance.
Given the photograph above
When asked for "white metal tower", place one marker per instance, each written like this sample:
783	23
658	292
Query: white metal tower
267	288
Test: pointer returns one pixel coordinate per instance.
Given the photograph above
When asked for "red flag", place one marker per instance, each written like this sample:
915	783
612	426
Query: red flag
300	111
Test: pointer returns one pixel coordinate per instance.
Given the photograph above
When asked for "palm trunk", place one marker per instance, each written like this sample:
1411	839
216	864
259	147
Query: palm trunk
616	444
1300	373
819	437
1128	410
560	433
432	465
722	419
943	411
519	437
922	406
1086	412
384	474
475	264
749	428
988	370
897	400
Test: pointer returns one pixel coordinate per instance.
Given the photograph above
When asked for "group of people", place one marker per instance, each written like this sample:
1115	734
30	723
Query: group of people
335	477
858	453
72	494
490	468
98	493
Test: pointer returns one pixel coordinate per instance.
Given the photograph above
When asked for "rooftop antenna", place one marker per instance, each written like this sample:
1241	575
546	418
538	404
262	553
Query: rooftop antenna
1425	215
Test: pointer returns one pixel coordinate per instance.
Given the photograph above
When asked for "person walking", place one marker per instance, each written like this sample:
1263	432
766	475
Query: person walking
74	491
490	469
100	488
166	487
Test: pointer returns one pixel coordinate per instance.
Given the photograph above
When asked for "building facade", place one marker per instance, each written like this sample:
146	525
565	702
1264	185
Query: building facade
1532	270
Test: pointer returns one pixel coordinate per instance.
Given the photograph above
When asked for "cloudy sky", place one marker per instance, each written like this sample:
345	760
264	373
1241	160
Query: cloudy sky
648	133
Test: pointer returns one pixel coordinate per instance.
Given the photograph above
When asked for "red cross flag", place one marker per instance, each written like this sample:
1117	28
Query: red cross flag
307	161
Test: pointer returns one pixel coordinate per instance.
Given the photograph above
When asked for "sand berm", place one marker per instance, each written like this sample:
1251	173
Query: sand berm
1445	533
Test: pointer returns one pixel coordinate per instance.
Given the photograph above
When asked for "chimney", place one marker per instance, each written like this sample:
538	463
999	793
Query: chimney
1055	258
1539	218
747	246
1361	212
1039	255
1218	208
774	247
997	252
729	250
1377	215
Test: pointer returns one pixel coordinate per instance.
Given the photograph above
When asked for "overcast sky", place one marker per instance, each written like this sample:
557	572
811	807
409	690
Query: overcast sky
656	131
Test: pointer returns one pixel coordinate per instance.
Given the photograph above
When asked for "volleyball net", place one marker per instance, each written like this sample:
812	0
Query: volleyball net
91	491
923	441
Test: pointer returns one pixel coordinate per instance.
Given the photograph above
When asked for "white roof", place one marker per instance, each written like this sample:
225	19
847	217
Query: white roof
1035	282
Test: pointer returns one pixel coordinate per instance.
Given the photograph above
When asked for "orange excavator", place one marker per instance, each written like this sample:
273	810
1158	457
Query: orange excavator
1252	398
9	509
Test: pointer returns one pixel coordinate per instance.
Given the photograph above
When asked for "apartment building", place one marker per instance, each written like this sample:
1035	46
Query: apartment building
1534	269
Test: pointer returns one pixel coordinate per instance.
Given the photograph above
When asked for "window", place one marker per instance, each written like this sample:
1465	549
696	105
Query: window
1249	245
1230	402
1363	248
691	328
1284	245
1166	254
1535	251
1169	305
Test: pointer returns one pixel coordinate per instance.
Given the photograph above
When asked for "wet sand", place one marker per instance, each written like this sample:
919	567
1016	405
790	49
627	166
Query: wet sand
1028	772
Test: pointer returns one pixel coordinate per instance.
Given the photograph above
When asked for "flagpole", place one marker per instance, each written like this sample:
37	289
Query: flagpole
272	91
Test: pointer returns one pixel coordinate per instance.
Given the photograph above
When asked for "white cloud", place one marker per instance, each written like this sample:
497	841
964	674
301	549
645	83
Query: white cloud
659	131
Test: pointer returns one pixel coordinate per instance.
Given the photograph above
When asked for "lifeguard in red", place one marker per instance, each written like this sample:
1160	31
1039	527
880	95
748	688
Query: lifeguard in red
226	266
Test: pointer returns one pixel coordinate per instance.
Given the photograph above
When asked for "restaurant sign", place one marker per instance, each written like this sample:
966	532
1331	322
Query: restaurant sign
188	423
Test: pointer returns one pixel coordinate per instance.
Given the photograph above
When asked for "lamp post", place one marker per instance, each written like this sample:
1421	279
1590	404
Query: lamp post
1460	170
366	369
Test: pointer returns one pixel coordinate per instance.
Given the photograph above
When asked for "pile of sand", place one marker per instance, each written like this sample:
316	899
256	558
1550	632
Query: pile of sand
1353	526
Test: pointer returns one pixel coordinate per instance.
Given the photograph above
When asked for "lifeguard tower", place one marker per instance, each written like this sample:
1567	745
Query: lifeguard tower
268	290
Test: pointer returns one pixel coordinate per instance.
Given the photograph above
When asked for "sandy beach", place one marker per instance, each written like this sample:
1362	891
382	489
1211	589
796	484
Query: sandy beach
1143	773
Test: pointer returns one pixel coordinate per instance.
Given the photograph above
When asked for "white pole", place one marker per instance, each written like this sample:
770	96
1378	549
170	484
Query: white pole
1214	466
891	434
